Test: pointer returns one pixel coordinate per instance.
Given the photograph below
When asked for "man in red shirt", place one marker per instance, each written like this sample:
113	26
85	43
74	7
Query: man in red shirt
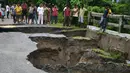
54	14
66	16
24	11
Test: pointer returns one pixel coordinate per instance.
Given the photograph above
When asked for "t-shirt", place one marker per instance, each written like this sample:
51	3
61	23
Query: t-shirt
13	10
82	11
67	12
31	9
18	10
7	8
2	11
54	11
24	6
40	10
75	12
45	11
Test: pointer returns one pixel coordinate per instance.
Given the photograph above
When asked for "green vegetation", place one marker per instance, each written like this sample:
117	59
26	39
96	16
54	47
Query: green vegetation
108	54
74	29
123	7
60	25
128	65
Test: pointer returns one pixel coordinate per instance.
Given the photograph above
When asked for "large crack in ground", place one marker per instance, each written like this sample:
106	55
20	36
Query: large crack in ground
57	54
71	55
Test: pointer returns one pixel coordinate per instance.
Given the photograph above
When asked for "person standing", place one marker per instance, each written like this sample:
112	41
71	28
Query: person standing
8	10
54	14
24	12
75	15
104	18
0	11
2	14
18	10
13	13
81	15
66	16
31	14
40	11
49	14
11	10
45	13
35	14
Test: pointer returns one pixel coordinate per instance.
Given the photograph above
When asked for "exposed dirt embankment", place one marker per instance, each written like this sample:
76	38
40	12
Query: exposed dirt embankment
75	55
111	40
64	48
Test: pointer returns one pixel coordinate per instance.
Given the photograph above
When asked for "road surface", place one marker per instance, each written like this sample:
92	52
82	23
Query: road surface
14	48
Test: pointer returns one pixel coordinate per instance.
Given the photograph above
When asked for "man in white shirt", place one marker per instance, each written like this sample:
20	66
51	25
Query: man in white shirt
75	12
40	11
7	10
81	15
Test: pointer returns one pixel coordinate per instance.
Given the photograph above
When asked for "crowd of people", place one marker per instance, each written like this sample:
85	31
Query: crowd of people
43	14
48	14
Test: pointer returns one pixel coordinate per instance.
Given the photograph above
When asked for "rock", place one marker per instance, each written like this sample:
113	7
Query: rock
61	68
100	68
91	57
48	68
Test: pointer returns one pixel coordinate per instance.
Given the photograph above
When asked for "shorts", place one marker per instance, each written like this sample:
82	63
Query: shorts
24	12
31	16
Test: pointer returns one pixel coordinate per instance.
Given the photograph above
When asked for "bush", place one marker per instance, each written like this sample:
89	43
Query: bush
60	17
96	9
120	8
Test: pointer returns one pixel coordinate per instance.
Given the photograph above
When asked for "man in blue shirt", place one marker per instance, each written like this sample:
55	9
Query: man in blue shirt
104	19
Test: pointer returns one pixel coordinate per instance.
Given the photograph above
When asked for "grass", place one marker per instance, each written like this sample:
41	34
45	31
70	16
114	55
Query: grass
108	55
72	28
128	65
60	25
101	33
